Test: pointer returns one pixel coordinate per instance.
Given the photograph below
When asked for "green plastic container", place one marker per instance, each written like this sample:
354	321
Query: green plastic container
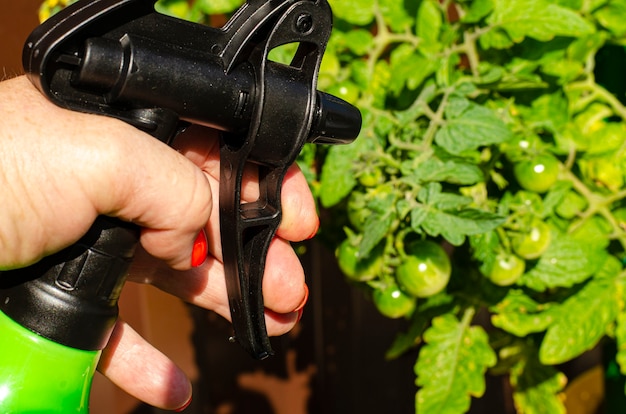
41	376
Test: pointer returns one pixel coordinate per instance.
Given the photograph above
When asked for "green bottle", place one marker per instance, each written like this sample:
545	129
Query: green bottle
56	317
38	375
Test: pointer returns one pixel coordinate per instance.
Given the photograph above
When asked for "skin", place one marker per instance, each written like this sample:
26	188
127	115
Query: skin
61	169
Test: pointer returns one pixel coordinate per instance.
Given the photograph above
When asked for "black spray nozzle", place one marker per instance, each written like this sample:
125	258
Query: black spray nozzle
336	121
137	71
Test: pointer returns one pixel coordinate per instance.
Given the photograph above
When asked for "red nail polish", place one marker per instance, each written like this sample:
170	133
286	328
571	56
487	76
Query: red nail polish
184	407
200	249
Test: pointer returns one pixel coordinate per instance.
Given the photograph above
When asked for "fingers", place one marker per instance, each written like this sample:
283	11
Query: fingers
283	285
299	221
60	169
142	371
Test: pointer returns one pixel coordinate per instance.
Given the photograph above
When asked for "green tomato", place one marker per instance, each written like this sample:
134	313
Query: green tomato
359	268
392	302
371	177
537	174
506	269
426	269
532	244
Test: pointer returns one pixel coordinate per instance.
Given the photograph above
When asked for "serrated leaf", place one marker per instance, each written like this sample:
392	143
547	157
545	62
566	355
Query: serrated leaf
377	224
565	263
580	322
337	178
537	388
538	19
454	225
453	172
474	127
451	366
520	315
432	195
420	320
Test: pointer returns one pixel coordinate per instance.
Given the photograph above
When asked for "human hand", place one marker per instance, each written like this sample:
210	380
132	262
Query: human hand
61	169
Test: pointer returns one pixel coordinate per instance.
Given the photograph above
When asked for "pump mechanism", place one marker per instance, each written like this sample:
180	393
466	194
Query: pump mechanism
122	59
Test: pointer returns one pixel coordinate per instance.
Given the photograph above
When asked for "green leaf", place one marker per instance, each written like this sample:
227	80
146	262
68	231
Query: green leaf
395	15
580	322
549	111
474	127
359	12
409	69
432	195
538	19
565	263
219	6
612	16
359	41
537	388
620	331
520	315
452	171
428	28
451	366
478	10
444	214
378	223
420	320
337	178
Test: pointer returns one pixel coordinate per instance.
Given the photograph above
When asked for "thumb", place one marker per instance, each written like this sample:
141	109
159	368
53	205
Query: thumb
60	169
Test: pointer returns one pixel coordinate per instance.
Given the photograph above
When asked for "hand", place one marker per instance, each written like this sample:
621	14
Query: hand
61	169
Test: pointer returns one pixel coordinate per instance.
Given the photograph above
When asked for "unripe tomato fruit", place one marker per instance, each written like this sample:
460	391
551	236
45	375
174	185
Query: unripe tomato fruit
357	268
534	243
537	174
506	270
426	269
392	302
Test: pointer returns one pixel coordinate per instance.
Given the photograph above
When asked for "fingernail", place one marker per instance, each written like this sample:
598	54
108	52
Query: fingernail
300	312
306	297
184	407
314	233
200	249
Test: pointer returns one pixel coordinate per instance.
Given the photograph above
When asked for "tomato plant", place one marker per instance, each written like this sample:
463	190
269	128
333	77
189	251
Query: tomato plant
490	127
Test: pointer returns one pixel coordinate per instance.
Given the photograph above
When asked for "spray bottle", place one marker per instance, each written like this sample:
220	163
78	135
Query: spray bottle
121	58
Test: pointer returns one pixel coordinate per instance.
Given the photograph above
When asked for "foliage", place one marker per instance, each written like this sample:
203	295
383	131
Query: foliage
463	103
492	132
